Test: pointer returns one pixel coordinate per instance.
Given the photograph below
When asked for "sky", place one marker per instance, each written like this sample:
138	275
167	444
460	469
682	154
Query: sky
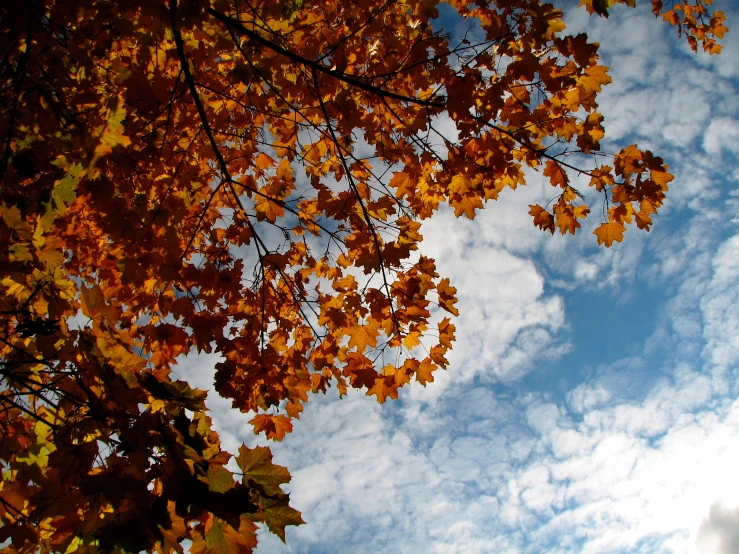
590	404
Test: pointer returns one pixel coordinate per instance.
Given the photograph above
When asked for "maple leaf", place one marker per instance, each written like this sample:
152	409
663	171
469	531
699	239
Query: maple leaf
360	370
362	336
424	371
556	174
278	515
257	467
95	307
542	218
268	209
215	536
403	184
219	479
275	427
607	233
447	297
466	205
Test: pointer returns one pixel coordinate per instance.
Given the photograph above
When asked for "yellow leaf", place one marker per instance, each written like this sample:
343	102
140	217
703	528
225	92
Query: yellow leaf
268	209
610	232
467	205
362	336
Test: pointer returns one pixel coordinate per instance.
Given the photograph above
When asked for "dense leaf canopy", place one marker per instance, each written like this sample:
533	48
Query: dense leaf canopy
248	178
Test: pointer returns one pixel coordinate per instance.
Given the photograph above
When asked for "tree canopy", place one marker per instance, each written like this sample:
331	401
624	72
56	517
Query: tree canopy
248	178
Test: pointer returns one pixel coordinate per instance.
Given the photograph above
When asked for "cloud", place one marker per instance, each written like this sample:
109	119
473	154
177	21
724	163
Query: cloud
478	473
508	320
722	135
720	320
719	533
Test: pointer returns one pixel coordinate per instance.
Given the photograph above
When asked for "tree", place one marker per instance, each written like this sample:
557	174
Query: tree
248	179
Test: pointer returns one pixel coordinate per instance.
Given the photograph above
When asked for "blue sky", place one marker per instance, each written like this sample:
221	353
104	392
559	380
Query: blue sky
591	400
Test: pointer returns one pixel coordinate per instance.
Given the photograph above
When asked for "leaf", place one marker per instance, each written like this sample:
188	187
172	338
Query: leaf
556	174
403	184
447	296
14	220
601	7
94	305
466	205
64	192
219	479
215	536
542	218
607	233
268	209
360	370
362	336
274	426
278	515
257	467
424	372
113	134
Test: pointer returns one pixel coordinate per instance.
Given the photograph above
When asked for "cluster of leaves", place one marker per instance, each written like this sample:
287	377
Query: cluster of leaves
694	19
247	178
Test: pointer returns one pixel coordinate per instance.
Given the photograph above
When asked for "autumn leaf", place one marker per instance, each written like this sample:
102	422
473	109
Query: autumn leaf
94	305
112	134
607	233
278	515
542	218
467	205
275	427
447	296
14	220
215	536
556	174
268	209
424	371
362	336
601	7
360	370
257	467
219	479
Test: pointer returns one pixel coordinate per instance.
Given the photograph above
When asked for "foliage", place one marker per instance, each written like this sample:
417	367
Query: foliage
248	179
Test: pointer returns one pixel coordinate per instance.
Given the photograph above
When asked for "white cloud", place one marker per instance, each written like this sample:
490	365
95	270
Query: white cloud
721	321
507	320
719	533
722	135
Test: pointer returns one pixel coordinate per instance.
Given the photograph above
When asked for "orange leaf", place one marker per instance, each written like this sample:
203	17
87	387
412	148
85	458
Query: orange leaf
447	297
466	205
556	174
274	426
607	233
362	336
424	372
542	218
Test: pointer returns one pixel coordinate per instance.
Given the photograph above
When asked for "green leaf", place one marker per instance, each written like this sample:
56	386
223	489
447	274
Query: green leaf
182	392
113	134
215	536
14	220
65	190
20	253
278	514
601	7
257	467
219	479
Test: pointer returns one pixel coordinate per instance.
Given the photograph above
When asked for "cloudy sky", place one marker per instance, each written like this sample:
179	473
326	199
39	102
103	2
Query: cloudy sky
591	400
